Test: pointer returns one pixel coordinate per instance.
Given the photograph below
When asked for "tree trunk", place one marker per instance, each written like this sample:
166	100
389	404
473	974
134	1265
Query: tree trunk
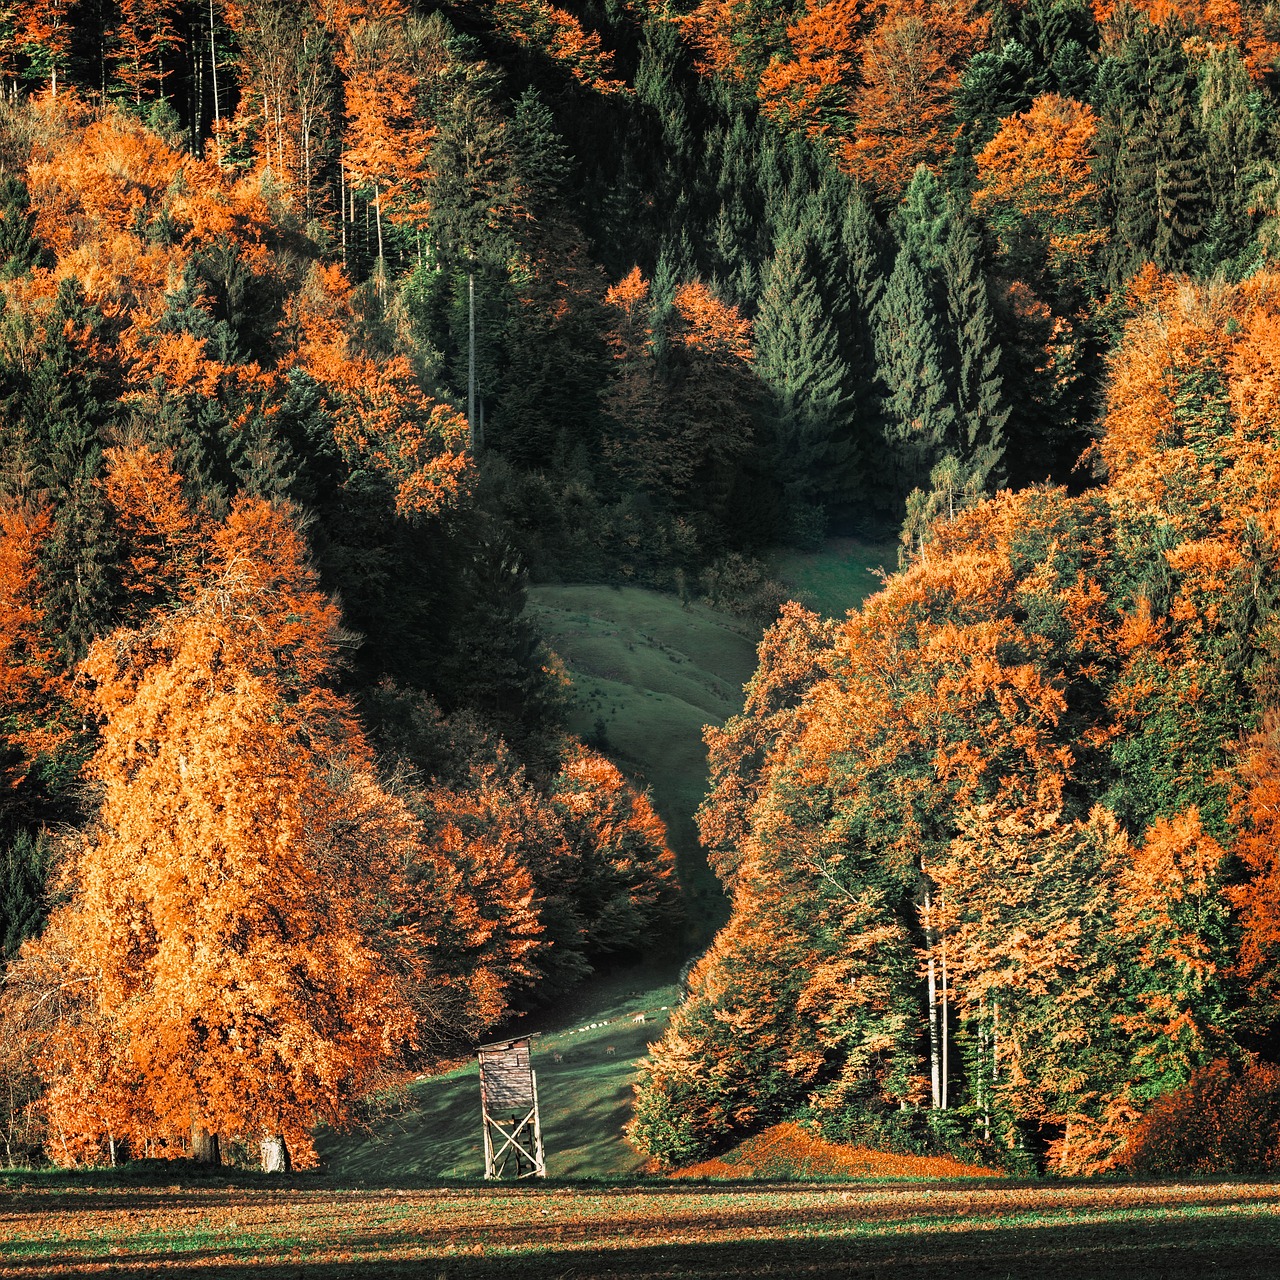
217	110
204	1146
275	1155
471	360
935	1057
945	1028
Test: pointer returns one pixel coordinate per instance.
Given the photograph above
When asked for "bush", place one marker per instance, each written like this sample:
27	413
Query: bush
1223	1120
738	584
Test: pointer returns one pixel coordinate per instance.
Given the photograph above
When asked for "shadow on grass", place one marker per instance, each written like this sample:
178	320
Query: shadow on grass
1218	1244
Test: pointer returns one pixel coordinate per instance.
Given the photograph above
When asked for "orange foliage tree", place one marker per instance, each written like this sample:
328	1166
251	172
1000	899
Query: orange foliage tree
36	719
560	36
230	916
810	86
382	417
145	34
682	424
911	65
1035	177
42	33
158	533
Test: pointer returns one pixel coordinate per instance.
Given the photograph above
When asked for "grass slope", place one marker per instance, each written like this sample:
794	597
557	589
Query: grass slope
585	1072
305	1226
653	672
838	576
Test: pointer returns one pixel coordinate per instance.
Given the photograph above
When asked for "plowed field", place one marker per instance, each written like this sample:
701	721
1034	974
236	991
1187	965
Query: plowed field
977	1228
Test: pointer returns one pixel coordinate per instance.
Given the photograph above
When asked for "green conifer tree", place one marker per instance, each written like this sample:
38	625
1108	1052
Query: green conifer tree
982	409
1231	124
798	359
1150	154
921	222
24	865
919	416
19	248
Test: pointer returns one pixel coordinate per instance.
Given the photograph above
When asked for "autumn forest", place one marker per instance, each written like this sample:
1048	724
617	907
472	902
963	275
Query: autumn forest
328	328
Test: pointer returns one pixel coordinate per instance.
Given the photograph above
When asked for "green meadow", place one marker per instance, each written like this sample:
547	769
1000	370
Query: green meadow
585	1069
650	672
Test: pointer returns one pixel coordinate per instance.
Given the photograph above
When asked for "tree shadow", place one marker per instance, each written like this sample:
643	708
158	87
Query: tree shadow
1234	1245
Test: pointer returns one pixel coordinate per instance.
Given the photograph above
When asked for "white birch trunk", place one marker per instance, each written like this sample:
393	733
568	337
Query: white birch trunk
935	1058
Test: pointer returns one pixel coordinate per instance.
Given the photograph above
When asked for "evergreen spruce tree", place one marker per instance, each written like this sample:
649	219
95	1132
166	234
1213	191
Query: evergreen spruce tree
1170	144
473	193
919	417
922	220
798	358
64	413
998	82
863	250
982	409
19	248
24	865
1150	154
1235	145
1062	37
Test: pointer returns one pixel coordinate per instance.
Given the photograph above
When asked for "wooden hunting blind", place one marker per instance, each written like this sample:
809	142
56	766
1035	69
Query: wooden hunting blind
509	1108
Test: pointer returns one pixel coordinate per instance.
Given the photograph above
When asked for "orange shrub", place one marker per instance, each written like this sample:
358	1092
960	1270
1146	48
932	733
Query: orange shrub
1223	1120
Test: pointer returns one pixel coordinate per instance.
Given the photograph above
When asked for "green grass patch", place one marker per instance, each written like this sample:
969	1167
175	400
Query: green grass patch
653	672
837	577
585	1071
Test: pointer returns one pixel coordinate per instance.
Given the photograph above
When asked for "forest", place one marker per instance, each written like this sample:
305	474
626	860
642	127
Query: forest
327	328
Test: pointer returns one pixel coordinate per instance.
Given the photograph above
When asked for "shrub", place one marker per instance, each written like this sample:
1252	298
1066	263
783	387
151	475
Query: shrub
1223	1120
738	584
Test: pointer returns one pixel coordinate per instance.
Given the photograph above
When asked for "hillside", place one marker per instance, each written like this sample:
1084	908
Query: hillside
326	328
652	672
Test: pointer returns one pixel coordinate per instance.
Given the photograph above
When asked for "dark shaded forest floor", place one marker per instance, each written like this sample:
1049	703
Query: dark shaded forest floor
306	1226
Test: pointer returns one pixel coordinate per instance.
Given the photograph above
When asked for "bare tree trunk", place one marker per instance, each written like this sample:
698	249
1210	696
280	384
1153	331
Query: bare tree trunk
935	1057
275	1155
471	361
204	1146
217	111
946	1020
984	1089
995	1048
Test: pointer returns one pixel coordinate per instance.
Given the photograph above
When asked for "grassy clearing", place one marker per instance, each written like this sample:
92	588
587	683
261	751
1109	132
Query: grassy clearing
838	576
306	1226
585	1072
653	672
